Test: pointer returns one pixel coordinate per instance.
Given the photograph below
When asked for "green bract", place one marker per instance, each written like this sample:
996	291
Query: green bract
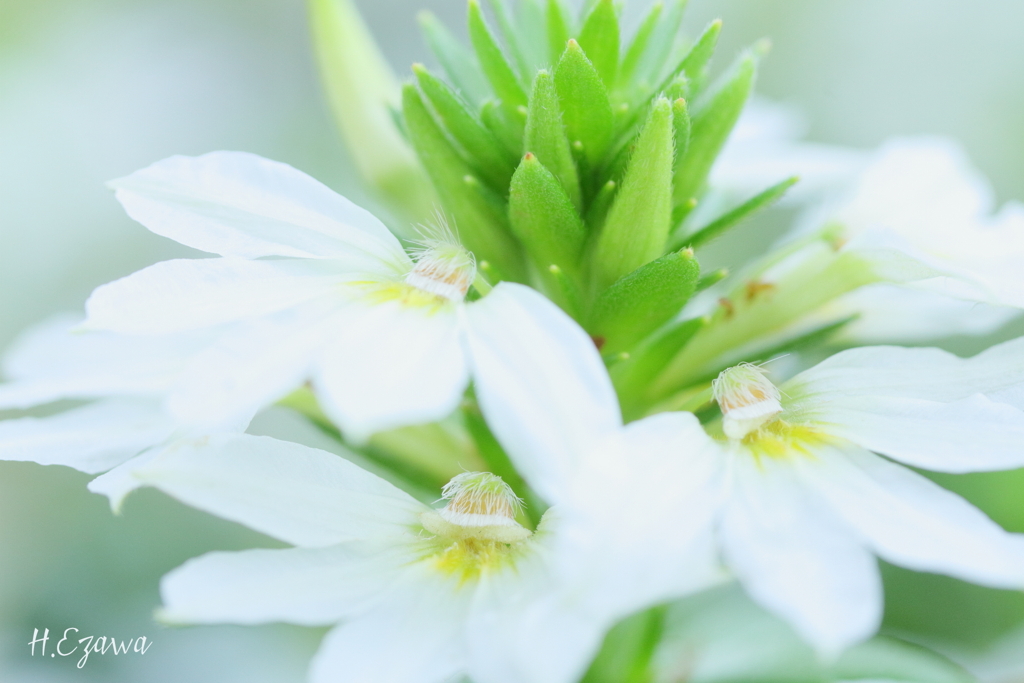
571	160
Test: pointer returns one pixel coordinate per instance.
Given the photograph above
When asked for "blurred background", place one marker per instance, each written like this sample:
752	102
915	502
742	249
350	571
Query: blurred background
92	90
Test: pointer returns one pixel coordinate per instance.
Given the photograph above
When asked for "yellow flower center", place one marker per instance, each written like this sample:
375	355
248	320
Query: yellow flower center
477	529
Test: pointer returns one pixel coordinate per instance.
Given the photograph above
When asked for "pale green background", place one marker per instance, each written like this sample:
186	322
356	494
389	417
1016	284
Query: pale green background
90	90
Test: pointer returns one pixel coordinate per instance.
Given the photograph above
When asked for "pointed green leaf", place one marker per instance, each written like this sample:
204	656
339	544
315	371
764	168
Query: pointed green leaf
659	46
739	214
478	213
459	63
640	43
485	154
712	278
532	27
712	124
599	39
587	111
557	29
681	125
695	63
508	32
634	374
543	217
638	223
361	90
545	136
644	300
508	132
497	69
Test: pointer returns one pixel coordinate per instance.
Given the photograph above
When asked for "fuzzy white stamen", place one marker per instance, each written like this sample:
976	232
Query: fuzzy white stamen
747	398
480	505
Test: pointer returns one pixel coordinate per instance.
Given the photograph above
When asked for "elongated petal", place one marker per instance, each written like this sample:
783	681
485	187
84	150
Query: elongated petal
389	365
542	641
925	407
300	495
50	361
654	491
252	364
309	586
913	522
798	560
970	435
238	204
92	438
173	296
416	636
541	384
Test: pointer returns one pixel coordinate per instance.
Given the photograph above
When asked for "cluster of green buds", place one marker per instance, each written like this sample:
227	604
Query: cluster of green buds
572	160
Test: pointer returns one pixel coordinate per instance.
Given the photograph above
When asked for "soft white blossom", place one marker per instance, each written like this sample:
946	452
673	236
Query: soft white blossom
426	595
802	503
309	287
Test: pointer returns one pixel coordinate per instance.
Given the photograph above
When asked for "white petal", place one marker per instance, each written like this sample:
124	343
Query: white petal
300	495
913	522
541	641
796	559
172	296
541	384
390	365
50	362
238	204
415	636
970	435
910	314
635	528
92	438
120	481
923	406
253	364
309	586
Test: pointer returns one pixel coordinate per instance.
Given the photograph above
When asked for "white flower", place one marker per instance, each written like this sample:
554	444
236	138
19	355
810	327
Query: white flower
426	595
802	505
336	301
766	147
124	381
920	212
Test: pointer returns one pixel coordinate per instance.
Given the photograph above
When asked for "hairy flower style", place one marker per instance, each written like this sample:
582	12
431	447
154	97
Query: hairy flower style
124	381
310	287
791	489
429	595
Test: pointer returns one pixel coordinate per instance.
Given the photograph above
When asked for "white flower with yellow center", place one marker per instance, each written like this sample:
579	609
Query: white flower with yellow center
809	504
789	484
310	287
425	595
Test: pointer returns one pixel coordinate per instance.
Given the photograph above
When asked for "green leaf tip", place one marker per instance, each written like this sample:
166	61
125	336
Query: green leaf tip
545	136
545	221
586	109
599	38
639	219
711	126
644	300
496	67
